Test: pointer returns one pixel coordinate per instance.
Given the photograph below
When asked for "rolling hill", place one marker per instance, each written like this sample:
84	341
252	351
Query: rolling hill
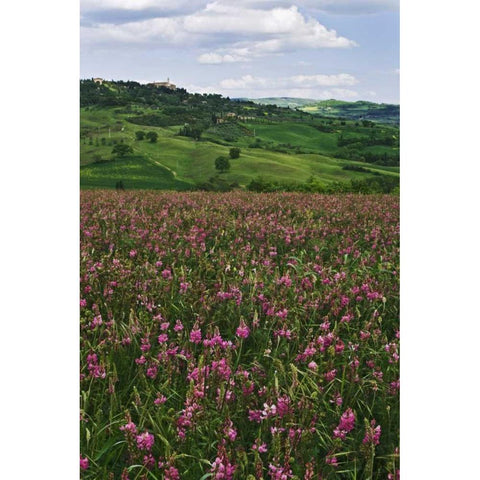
360	110
278	144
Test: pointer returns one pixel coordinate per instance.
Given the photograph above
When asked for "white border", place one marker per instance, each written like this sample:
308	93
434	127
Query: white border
39	240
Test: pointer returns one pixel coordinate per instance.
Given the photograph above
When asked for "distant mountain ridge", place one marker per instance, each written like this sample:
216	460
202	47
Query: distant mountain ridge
359	110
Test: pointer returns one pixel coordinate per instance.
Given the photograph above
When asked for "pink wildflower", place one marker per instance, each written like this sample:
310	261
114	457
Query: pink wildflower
329	376
346	424
171	473
167	274
312	365
149	461
152	372
230	431
130	427
221	467
243	331
161	399
372	434
162	338
332	461
145	441
196	335
178	326
83	463
279	473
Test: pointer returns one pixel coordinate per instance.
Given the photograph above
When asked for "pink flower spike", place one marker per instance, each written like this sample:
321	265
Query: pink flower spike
83	463
161	399
243	331
145	441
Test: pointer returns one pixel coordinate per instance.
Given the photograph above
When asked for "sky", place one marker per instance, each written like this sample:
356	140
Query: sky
319	49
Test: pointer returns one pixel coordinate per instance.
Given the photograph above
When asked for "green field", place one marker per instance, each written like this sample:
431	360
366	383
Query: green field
176	162
297	135
133	171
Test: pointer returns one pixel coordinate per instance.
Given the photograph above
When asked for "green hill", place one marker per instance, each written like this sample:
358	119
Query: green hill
360	110
278	144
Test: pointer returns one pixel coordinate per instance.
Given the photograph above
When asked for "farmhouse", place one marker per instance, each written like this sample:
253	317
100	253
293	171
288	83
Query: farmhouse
166	84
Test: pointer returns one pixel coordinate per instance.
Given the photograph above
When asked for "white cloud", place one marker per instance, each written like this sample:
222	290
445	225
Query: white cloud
216	58
283	29
152	30
201	89
241	33
340	93
247	81
296	81
324	80
221	18
312	86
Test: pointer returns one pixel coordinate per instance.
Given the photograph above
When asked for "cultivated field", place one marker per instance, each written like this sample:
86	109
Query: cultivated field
239	336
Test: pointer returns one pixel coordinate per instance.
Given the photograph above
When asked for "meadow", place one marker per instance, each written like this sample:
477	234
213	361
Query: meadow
239	336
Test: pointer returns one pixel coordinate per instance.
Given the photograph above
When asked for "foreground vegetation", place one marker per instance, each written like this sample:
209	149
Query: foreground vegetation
239	336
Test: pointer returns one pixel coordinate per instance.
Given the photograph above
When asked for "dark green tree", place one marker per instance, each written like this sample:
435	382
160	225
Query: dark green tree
194	132
140	135
222	164
234	152
121	149
152	136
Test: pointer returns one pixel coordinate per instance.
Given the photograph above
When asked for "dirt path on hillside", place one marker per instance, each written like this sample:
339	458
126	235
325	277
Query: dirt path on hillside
156	162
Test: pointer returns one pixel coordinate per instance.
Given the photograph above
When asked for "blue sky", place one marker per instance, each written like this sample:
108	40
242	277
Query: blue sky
344	49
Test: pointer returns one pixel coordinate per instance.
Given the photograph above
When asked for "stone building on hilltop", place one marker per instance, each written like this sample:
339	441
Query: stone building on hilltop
166	84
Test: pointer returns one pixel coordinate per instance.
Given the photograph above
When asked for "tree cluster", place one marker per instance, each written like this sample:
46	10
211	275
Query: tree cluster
375	184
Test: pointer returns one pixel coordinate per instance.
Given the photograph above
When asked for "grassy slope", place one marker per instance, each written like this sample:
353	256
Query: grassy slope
297	135
176	162
135	172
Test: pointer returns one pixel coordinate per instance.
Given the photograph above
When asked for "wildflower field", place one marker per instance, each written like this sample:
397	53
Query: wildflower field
239	336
